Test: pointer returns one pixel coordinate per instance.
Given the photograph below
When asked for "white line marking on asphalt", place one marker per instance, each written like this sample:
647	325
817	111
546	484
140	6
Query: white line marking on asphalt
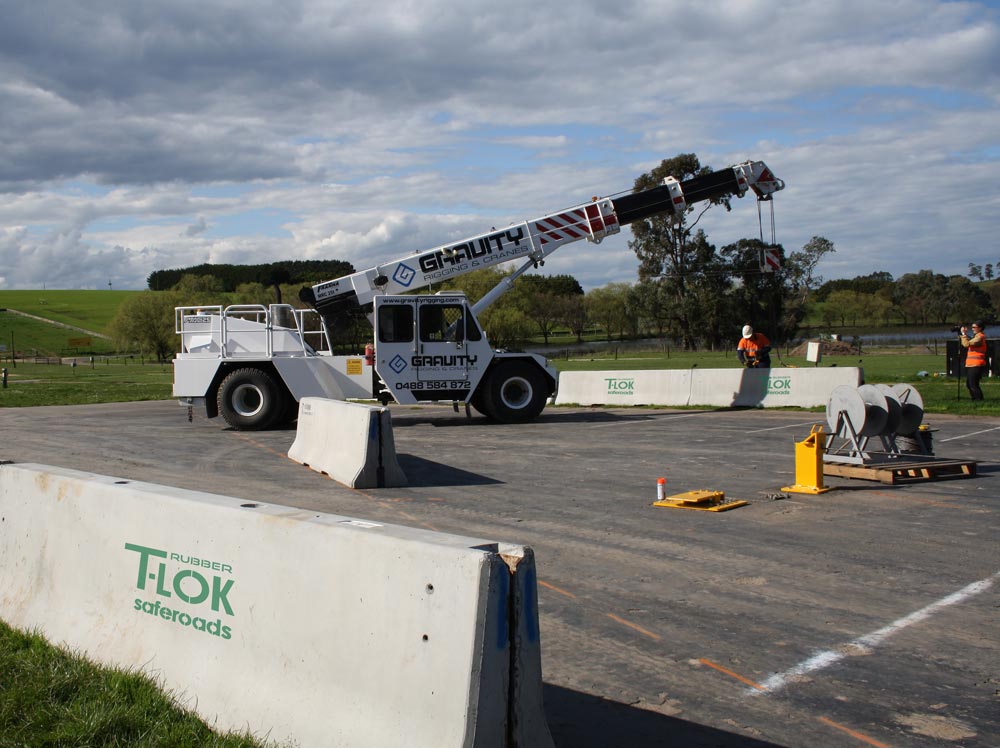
778	428
964	436
673	416
869	641
657	419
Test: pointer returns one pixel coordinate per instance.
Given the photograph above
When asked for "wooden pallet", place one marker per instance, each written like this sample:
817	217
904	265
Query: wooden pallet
903	471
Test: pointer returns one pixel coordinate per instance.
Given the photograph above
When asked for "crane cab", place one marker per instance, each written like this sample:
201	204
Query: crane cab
429	347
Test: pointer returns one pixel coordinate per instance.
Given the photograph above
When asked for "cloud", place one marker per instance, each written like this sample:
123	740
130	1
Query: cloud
64	260
196	228
135	137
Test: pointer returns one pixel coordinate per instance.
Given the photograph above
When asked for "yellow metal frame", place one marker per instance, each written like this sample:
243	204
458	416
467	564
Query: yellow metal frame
809	463
705	501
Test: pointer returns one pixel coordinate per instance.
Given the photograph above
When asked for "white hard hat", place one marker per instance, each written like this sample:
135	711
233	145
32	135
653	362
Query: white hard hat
747	331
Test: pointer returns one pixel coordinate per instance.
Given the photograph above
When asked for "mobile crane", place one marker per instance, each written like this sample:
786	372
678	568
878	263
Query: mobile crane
252	363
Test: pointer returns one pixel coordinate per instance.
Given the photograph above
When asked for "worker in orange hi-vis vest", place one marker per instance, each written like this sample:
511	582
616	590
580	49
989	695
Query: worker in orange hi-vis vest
754	349
975	358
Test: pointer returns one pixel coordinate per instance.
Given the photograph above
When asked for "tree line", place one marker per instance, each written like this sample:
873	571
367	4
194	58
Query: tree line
272	274
920	298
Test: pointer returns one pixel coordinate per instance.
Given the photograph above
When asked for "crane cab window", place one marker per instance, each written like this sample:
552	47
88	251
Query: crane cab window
472	331
447	323
395	323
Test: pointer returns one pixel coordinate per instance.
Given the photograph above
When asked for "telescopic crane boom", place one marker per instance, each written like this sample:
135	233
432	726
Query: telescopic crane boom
340	299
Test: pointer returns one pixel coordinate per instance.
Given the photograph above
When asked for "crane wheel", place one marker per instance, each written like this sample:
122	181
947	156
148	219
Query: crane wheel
515	392
288	411
478	401
250	400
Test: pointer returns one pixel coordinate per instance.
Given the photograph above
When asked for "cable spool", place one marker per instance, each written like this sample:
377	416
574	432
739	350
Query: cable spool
844	399
864	408
912	409
894	409
876	410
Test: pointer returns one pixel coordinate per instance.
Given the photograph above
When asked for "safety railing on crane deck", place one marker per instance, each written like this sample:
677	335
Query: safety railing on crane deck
243	330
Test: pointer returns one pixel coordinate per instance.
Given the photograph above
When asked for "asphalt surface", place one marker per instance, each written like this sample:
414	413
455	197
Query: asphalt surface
865	616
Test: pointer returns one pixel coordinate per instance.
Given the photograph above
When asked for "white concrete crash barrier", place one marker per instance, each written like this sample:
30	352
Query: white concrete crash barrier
350	442
304	627
770	388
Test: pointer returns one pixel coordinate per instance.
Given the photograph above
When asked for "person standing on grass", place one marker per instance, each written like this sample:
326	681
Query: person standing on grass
754	349
975	358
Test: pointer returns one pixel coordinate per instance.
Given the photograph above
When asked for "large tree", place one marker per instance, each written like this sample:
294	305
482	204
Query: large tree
608	307
543	297
652	302
759	298
670	248
928	297
921	297
145	322
879	282
967	301
573	313
800	268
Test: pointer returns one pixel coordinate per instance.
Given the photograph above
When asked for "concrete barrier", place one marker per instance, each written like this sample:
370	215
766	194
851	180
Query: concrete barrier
350	442
314	628
769	388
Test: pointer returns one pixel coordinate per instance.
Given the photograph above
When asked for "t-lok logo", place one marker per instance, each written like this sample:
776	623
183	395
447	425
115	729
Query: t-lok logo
191	598
404	275
398	364
618	386
779	385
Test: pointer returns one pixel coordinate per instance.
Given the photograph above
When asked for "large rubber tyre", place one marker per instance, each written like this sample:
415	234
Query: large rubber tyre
250	400
480	403
515	392
288	412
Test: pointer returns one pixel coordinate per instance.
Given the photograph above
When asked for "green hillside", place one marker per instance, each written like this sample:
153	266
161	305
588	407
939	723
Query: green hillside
32	337
90	310
87	313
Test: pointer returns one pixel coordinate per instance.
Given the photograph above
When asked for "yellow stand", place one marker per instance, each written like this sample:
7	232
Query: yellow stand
809	464
706	501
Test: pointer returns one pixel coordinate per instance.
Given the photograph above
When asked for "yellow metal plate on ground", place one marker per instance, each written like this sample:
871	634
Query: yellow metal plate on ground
706	501
806	489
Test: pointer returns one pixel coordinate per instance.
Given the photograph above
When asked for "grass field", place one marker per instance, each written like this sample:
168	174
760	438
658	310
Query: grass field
49	697
110	380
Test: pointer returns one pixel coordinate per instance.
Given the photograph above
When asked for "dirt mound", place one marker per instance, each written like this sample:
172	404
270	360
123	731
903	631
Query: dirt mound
828	348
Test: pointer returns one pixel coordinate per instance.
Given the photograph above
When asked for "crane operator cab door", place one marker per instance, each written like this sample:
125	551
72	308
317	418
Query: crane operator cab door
429	347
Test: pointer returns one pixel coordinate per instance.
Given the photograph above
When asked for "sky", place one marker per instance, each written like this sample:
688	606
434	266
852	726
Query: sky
138	136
